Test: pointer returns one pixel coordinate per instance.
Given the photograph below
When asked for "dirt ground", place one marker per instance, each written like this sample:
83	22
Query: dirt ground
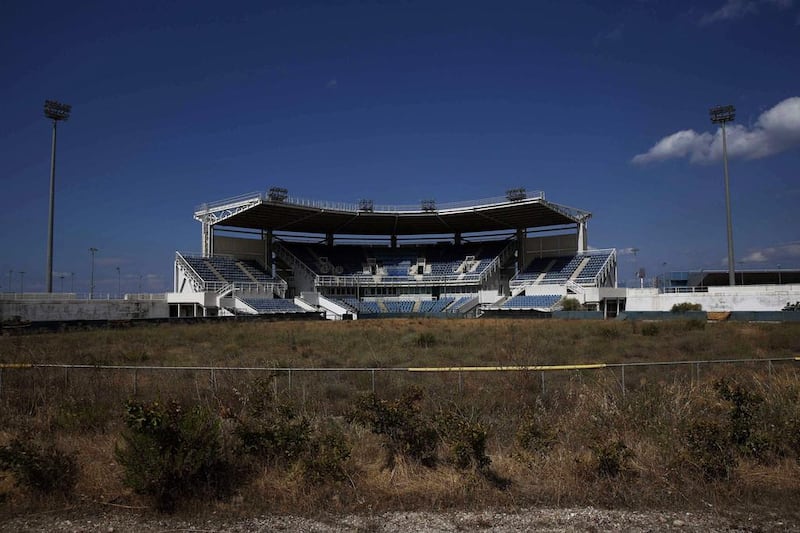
541	520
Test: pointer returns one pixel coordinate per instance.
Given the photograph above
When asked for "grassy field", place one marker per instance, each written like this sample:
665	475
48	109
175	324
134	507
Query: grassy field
725	436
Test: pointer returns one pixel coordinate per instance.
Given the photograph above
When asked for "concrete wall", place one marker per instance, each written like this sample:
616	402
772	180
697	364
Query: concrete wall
746	298
79	309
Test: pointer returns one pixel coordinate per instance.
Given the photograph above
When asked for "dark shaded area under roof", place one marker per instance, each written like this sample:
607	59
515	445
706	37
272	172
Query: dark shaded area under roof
278	216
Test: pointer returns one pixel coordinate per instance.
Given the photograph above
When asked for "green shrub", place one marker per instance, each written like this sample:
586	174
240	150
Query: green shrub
745	407
325	456
707	444
277	436
405	430
571	304
611	459
686	306
465	438
43	468
171	453
533	436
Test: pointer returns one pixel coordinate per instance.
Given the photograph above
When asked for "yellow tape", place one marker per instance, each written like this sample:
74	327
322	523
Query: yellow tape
505	368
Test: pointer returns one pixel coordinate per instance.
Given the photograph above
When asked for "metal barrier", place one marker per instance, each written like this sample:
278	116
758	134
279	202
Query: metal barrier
288	373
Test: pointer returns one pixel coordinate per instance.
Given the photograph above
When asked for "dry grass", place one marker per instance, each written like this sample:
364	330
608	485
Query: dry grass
82	411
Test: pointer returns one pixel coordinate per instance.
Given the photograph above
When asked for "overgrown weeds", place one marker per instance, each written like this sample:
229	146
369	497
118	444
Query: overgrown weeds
41	467
282	441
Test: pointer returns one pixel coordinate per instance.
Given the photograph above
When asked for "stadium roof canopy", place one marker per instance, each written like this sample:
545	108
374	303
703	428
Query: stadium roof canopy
282	213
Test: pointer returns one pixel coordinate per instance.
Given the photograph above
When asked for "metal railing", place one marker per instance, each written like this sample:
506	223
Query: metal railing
355	206
289	373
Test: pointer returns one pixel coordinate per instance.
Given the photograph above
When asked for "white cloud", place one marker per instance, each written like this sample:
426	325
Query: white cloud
734	9
789	253
776	130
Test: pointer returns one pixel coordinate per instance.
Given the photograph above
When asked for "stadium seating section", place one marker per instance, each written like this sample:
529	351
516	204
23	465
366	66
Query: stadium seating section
403	306
558	270
272	305
436	261
539	301
221	269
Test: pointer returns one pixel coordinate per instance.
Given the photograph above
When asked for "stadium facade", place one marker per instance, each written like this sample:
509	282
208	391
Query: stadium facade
269	252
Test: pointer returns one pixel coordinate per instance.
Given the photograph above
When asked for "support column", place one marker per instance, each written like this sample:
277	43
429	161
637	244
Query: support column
207	238
393	242
522	236
582	240
329	239
458	239
267	238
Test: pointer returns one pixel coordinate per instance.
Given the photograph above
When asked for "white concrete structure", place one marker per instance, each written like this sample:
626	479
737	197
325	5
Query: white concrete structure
725	298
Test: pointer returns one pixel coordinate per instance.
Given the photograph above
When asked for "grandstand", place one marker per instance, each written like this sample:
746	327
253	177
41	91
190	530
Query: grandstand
269	253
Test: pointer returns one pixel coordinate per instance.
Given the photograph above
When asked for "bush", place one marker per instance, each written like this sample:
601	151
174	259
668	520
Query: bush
324	457
745	406
273	433
686	306
533	436
465	438
406	432
708	446
571	304
611	459
278	436
43	468
171	453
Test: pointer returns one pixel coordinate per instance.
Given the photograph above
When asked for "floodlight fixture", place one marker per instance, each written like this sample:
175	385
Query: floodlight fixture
56	111
722	114
515	195
277	194
428	205
366	205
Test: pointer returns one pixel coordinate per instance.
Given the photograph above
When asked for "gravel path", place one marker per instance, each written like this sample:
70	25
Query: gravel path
540	520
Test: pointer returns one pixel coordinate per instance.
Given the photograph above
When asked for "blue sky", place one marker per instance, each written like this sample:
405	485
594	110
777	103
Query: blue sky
602	105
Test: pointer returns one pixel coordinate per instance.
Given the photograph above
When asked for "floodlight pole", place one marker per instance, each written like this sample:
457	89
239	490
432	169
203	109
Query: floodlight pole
722	115
55	111
92	251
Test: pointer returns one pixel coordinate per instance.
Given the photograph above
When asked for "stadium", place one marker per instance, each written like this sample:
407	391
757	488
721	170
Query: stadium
270	253
516	255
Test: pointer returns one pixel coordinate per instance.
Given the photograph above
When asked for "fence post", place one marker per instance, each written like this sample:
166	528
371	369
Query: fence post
542	382
769	368
135	381
460	382
697	368
373	381
623	381
66	379
290	379
213	380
